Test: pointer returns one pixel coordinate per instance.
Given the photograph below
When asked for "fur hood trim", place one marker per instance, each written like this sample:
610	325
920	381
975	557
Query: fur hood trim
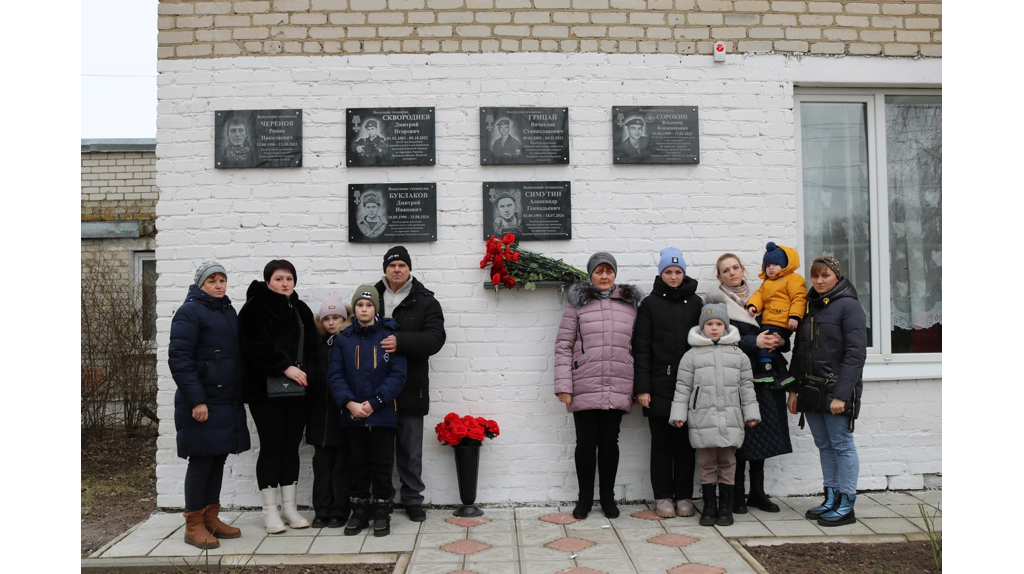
583	292
697	338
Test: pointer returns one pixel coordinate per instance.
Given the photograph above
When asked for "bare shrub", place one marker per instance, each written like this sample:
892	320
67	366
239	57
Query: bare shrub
118	354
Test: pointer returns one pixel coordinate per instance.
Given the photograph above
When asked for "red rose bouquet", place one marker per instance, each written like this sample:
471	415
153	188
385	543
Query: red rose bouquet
455	430
510	265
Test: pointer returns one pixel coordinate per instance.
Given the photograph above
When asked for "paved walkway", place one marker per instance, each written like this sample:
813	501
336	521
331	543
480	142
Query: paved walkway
533	540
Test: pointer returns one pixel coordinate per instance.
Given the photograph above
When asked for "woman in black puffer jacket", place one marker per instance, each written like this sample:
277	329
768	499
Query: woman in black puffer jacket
663	321
831	346
209	416
771	436
272	323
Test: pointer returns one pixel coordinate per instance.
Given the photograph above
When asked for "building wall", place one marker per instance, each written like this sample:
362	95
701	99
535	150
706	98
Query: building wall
191	29
498	360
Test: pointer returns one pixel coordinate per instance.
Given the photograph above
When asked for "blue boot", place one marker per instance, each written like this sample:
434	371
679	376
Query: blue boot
843	514
830	503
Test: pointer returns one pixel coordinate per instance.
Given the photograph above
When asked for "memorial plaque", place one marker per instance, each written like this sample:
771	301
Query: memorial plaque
390	136
655	134
524	136
392	212
530	209
258	138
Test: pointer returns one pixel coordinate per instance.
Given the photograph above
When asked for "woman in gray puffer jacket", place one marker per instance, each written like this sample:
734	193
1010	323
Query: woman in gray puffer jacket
594	375
715	398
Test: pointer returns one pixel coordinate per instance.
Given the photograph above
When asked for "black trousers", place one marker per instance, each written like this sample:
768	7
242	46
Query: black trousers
673	460
330	480
372	453
597	447
279	424
202	481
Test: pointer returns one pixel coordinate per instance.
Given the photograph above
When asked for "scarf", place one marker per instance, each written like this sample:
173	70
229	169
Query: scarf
738	294
238	153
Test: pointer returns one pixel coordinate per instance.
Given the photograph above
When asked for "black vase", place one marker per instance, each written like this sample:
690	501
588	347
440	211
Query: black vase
467	467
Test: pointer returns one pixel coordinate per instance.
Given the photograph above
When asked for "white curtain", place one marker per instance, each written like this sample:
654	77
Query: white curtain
914	159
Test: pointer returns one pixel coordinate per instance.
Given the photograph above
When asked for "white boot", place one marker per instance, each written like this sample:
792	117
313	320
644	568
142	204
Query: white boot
271	518
288	511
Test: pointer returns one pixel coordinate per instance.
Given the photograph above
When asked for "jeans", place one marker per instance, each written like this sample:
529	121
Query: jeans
840	465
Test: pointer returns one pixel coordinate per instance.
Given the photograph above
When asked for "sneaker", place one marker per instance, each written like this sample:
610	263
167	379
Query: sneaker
664	509
764	373
685	508
416	513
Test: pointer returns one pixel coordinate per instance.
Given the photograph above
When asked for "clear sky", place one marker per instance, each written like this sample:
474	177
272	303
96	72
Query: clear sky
119	68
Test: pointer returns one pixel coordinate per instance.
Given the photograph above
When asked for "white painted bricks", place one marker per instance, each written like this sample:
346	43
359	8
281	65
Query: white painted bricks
498	359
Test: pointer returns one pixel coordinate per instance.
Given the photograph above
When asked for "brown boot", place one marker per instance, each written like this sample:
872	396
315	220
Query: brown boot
196	533
215	526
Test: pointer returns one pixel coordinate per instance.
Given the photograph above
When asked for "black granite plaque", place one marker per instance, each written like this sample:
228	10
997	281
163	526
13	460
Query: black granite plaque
390	136
524	136
258	138
529	209
656	134
392	212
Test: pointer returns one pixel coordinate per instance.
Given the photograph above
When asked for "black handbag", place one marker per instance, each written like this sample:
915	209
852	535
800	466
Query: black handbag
814	393
280	386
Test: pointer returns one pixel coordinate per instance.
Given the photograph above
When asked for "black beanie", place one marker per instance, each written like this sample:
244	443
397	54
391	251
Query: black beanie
397	252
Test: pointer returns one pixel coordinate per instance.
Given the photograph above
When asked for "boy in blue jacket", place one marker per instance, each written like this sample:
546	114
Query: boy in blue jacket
364	381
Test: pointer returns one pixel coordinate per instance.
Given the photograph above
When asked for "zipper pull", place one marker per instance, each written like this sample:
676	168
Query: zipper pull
668	370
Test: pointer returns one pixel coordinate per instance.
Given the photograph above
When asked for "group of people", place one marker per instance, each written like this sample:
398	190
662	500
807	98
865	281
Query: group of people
362	368
363	373
712	380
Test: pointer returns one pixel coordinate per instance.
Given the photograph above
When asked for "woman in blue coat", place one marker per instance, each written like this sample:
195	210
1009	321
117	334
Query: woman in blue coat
208	406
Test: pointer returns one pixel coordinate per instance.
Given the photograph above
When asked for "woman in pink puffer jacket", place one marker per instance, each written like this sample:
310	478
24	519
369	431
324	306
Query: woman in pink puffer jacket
594	375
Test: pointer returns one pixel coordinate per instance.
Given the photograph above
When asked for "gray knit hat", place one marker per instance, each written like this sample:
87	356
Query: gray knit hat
368	292
207	268
714	311
599	258
333	305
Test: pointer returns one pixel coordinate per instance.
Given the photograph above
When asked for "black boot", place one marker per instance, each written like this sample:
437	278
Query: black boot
586	466
381	517
739	504
709	513
608	506
607	467
724	505
758	499
360	518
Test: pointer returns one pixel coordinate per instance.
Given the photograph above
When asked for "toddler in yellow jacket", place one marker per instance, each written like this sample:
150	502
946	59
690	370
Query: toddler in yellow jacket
782	302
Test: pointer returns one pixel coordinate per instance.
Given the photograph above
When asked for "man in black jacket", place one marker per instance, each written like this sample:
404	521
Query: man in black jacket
420	335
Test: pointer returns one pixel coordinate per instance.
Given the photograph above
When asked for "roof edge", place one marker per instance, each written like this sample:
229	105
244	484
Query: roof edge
119	144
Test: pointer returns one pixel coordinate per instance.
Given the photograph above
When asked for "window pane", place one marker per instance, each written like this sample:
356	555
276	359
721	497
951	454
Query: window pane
835	178
913	141
149	299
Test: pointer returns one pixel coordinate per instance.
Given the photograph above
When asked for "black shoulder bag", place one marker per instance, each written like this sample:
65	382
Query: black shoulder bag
280	386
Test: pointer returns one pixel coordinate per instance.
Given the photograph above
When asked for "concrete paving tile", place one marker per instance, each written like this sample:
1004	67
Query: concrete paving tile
919	522
784	513
889	525
744	529
390	543
433	555
660	563
889	497
545	567
932	497
491	567
536	537
285	545
793	528
608	565
602	536
164	521
496	526
639	535
340	531
495	554
499	514
175	546
602	551
644	548
541	553
538	525
421	568
533	513
400	525
129	546
909	510
694	529
439	540
800	504
748	517
874	511
850	529
336	544
440	526
499	538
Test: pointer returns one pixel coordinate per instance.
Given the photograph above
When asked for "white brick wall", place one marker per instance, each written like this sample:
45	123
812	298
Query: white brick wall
498	358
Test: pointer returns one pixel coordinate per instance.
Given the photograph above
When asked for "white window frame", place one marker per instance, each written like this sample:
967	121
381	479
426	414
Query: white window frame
882	363
137	258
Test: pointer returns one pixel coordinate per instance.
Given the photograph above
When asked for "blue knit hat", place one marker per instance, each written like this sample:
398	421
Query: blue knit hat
670	256
774	254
